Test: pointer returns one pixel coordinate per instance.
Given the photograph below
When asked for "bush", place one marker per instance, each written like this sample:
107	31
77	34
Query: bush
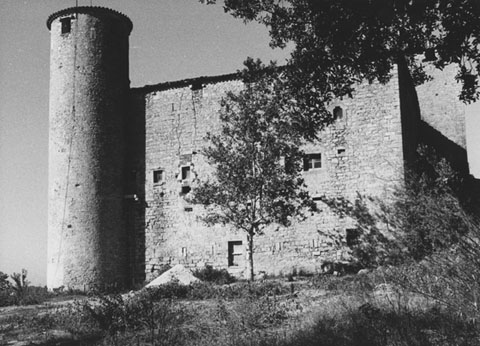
168	291
142	318
19	292
369	326
216	276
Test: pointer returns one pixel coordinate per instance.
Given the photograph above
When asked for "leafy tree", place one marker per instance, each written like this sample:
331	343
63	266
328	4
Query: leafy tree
20	285
4	283
256	161
337	43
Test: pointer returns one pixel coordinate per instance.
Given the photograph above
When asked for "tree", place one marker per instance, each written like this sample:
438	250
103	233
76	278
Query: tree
338	43
256	161
20	286
4	283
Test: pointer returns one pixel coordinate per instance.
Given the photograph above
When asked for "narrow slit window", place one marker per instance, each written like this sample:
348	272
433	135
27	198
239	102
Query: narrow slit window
66	25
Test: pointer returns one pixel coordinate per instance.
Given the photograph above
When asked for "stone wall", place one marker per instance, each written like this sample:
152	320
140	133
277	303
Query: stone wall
361	153
443	115
440	106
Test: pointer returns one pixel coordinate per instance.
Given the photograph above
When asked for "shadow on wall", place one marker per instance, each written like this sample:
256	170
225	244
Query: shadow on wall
135	188
451	151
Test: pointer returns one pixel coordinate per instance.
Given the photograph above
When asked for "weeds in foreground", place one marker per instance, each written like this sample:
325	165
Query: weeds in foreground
381	316
263	314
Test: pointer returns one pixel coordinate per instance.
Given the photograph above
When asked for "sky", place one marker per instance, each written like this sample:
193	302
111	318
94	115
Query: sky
171	40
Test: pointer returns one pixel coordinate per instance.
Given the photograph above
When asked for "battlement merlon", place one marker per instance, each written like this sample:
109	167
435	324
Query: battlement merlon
90	10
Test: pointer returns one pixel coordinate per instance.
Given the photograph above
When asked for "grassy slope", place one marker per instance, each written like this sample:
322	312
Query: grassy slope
320	311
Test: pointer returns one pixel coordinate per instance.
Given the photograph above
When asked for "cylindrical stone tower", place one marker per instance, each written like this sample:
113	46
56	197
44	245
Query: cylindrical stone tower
89	87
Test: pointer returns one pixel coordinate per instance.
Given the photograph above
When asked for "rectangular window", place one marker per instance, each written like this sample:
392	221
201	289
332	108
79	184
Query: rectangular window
185	172
235	253
352	235
312	161
185	190
66	25
158	176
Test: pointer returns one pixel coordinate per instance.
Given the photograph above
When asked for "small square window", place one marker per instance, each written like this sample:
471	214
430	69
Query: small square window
66	25
158	176
312	161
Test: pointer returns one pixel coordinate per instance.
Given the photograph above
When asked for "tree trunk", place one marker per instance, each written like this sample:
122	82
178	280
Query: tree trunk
250	255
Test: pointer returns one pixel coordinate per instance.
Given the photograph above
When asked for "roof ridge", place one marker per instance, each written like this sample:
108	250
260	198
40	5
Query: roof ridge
189	81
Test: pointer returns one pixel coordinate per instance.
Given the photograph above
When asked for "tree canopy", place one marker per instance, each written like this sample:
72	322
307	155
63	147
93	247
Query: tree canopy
337	43
256	161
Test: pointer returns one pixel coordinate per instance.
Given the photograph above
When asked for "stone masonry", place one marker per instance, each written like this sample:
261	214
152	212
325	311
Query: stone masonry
89	88
123	160
365	151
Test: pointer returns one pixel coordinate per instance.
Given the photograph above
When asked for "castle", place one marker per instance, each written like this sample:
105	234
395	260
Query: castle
122	160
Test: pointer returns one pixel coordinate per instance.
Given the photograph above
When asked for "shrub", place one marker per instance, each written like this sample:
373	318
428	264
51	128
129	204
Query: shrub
140	317
216	276
19	292
168	291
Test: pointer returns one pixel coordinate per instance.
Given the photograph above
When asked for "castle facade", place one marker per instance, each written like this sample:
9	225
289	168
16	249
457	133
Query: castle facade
123	160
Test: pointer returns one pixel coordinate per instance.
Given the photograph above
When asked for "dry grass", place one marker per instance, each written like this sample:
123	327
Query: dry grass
349	311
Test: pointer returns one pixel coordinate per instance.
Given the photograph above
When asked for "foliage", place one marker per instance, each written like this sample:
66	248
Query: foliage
257	162
432	211
259	314
371	247
4	289
20	285
336	44
115	316
372	326
16	290
435	235
208	290
169	291
4	283
217	276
